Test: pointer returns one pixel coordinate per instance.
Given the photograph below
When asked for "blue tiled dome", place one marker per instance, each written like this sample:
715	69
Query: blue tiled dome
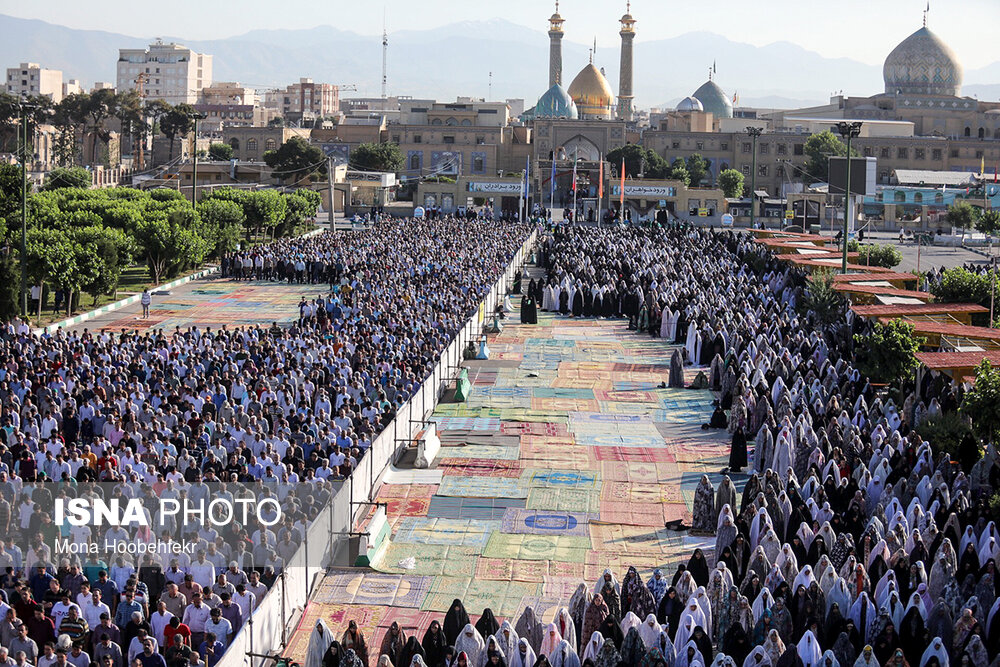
556	103
714	100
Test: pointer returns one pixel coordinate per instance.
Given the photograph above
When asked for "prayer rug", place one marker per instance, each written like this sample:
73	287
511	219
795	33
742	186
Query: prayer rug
481	467
497	569
562	587
430	559
398	507
542	522
412	476
583	394
631	539
482	487
337	617
472	508
629	492
560	479
537	547
632	513
480	452
455	532
471	423
564	404
533	428
406	491
633	454
413	622
581	501
631	471
373	588
626	396
503	597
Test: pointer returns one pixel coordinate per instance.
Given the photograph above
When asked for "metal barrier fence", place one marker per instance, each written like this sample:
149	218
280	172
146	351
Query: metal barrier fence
266	632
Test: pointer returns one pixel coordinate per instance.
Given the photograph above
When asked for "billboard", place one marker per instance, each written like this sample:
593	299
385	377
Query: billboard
864	172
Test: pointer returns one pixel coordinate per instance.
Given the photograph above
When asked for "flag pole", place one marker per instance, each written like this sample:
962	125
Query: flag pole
576	157
600	191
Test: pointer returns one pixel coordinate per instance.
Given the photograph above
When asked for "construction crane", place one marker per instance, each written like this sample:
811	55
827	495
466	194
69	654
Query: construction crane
347	86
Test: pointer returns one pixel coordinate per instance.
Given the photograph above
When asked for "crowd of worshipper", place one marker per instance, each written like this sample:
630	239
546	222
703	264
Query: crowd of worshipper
853	543
190	415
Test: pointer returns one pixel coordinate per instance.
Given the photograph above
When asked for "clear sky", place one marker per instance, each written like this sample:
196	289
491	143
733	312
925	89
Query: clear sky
861	29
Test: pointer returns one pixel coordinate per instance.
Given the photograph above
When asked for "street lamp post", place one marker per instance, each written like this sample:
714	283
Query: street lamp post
194	172
848	130
23	106
754	133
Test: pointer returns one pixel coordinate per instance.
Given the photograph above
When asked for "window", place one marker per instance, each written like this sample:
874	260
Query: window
235	143
979	154
417	139
724	146
938	197
869	152
902	153
415	162
762	170
954	152
451	122
466	122
779	171
480	140
699	145
675	145
478	165
746	170
449	140
782	149
968	131
899	196
883	177
252	145
395	138
436	121
747	146
920	153
799	149
982	133
884	154
765	149
269	145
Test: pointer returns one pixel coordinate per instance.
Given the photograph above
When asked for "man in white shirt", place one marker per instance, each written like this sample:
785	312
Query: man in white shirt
159	620
93	609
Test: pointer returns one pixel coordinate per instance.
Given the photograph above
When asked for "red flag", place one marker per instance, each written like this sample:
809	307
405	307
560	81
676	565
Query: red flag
622	188
600	186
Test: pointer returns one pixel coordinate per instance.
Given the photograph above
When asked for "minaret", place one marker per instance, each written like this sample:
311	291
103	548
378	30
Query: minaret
555	47
625	97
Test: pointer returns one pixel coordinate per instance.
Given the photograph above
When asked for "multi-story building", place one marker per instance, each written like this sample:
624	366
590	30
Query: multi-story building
228	92
71	87
305	99
218	116
170	72
32	79
250	143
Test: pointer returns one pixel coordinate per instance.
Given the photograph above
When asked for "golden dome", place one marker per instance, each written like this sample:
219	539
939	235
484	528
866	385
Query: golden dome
591	93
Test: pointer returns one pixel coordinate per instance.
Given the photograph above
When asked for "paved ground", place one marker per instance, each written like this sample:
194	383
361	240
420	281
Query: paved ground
566	459
211	302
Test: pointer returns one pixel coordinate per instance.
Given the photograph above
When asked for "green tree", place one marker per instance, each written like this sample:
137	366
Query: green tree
377	157
10	195
223	223
634	156
51	259
109	252
167	245
982	403
886	256
819	148
264	209
888	353
989	222
679	171
960	286
220	152
731	183
962	215
69	118
67	177
697	168
10	287
176	122
127	108
99	106
827	305
296	159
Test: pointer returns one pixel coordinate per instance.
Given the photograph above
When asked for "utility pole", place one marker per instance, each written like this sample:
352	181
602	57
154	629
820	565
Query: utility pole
329	186
194	174
23	154
754	133
848	130
385	55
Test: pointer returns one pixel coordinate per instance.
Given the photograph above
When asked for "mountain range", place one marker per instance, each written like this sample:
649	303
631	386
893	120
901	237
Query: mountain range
458	59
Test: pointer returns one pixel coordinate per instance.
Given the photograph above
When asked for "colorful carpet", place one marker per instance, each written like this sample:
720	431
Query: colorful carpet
567	459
